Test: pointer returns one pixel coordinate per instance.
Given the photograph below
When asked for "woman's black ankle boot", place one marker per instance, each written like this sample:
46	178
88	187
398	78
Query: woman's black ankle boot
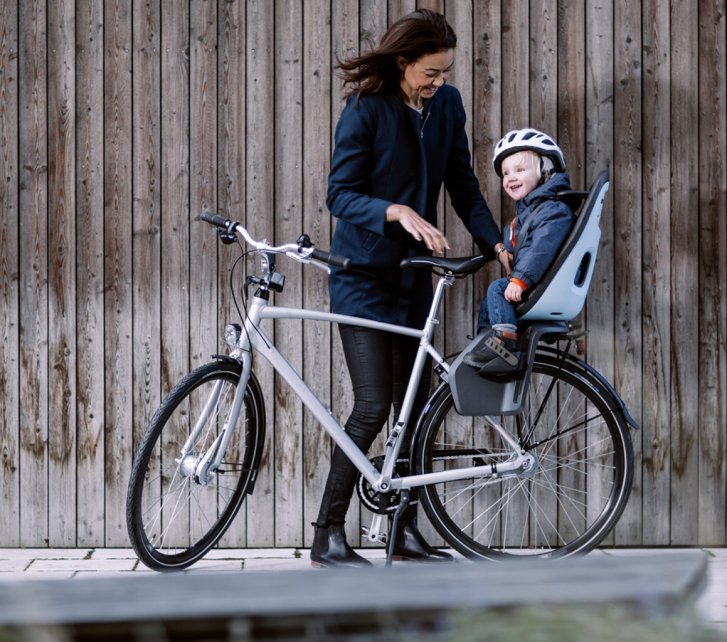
330	548
410	545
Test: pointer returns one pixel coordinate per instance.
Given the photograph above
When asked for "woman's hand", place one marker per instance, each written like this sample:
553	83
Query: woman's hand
505	258
418	227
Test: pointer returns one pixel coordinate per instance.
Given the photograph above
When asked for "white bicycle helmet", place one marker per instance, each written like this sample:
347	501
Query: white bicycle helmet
520	140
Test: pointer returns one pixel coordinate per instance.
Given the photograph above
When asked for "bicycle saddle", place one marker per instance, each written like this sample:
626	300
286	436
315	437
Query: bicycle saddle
456	267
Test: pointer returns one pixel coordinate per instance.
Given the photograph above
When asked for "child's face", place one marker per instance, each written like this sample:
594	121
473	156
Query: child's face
520	174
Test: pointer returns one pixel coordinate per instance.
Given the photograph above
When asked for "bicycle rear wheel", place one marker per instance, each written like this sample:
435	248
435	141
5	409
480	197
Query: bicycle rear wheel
567	503
174	518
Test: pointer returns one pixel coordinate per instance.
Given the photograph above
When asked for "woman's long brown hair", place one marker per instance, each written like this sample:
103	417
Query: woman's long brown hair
417	34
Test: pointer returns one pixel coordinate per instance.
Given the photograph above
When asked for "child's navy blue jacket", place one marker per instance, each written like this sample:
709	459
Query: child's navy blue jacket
546	232
387	153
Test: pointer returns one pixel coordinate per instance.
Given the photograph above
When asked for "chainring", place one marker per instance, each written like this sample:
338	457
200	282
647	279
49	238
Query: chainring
371	498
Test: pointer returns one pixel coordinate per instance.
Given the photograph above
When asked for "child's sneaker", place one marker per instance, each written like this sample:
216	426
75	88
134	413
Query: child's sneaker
497	354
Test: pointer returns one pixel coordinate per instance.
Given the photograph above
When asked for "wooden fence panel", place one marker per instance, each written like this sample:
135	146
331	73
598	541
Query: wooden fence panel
656	432
120	122
625	194
62	273
146	215
685	261
345	33
287	215
711	202
9	270
599	153
89	274
317	359
231	174
118	299
260	190
33	284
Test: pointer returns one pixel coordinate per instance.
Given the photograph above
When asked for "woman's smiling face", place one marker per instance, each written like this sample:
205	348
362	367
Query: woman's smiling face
421	78
520	174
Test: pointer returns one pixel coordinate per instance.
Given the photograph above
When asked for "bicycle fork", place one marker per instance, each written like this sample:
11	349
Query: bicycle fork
202	468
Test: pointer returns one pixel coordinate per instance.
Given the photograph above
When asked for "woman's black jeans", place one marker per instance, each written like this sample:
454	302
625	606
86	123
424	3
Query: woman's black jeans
379	364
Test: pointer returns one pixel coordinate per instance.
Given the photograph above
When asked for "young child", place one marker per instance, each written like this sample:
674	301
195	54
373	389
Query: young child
532	168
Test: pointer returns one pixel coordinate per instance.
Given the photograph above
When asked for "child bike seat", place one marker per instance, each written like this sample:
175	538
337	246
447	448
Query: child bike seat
561	293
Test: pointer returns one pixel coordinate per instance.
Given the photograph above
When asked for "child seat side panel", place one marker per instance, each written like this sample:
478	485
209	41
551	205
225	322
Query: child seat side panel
563	292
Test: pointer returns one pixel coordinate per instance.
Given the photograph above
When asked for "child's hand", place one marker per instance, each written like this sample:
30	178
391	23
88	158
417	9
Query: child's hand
513	292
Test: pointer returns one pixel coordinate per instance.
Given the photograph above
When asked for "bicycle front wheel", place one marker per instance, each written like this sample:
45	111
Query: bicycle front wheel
174	517
566	503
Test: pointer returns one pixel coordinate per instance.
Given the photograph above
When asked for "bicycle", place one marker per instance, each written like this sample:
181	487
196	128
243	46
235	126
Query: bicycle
538	464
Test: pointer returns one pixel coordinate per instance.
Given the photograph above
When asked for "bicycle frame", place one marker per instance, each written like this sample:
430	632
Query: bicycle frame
253	337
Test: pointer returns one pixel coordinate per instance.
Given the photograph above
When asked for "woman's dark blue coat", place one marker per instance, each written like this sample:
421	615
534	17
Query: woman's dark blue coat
387	153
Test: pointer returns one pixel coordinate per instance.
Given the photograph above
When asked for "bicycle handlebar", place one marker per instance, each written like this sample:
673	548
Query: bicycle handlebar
303	250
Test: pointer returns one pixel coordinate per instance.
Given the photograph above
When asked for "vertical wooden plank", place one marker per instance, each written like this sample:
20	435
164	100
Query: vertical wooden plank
146	252
288	215
515	100
599	155
515	57
203	155
231	175
572	88
712	199
316	221
459	312
571	133
373	24
685	263
345	29
203	181
117	265
487	125
89	274
399	8
544	66
174	176
260	188
625	194
62	274
33	285
9	303
656	272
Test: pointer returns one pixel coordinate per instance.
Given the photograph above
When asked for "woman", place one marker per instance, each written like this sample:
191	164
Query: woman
399	138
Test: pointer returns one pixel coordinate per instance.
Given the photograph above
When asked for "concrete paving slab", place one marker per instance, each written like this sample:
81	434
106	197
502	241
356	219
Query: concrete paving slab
263	564
206	566
45	553
112	554
14	565
44	565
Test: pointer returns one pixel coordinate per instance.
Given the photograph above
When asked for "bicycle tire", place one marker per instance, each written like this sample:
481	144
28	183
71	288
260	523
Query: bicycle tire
566	504
172	519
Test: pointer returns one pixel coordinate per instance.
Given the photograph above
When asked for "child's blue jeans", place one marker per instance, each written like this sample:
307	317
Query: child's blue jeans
494	309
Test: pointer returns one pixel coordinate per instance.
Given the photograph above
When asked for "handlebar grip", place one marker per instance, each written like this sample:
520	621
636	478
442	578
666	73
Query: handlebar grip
215	219
332	259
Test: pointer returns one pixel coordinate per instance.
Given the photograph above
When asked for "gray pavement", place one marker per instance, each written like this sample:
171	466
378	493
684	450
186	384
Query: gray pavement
77	564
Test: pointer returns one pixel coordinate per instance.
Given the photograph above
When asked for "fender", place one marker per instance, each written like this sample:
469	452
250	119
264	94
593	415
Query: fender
439	391
254	391
630	421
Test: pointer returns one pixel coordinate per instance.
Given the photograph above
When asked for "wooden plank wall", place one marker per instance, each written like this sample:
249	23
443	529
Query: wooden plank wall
121	120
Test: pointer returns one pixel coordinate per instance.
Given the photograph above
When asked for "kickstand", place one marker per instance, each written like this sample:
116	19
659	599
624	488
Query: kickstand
403	503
